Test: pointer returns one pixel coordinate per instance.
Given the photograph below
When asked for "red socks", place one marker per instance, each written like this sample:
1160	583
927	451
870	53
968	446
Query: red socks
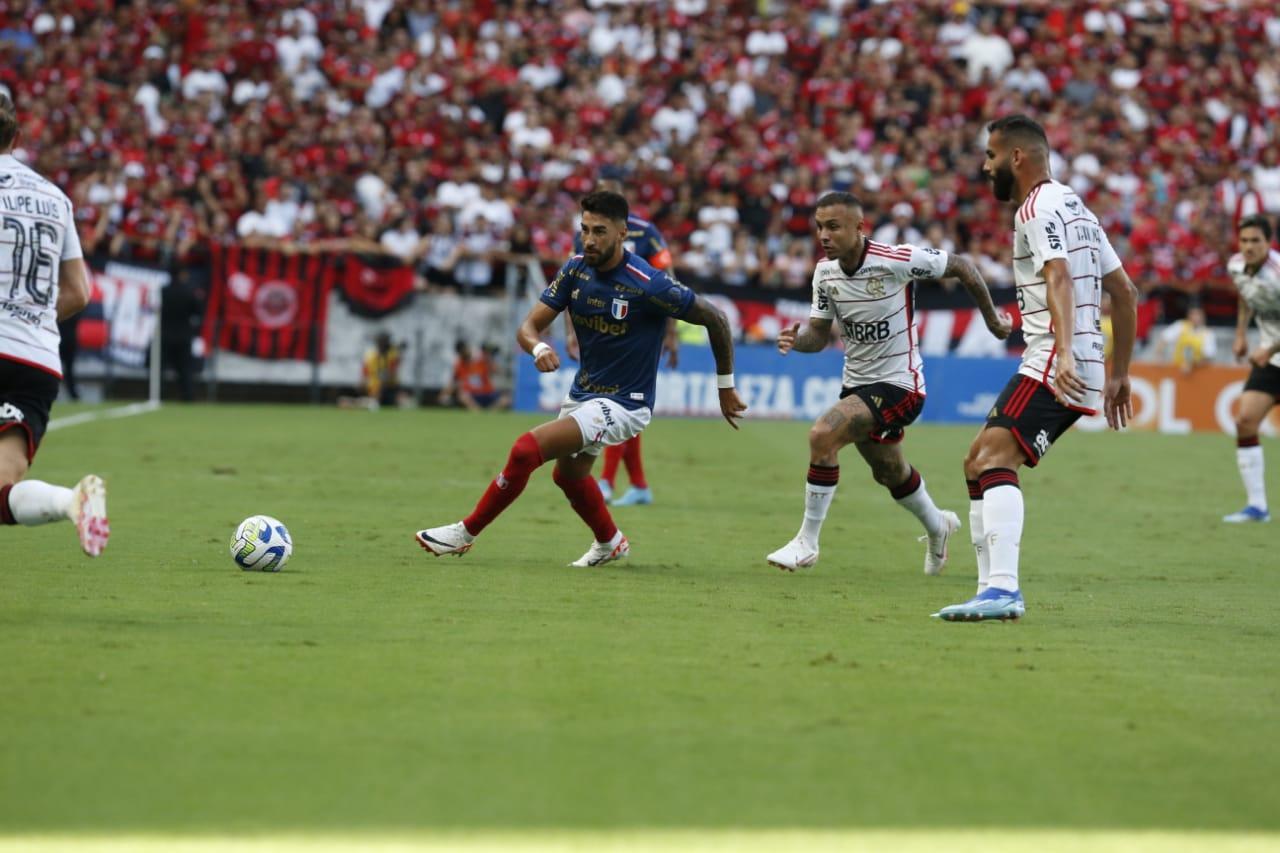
524	460
628	452
6	515
585	498
612	458
635	468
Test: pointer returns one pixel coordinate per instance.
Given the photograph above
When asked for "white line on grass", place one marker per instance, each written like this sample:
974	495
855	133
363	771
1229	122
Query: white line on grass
103	414
634	841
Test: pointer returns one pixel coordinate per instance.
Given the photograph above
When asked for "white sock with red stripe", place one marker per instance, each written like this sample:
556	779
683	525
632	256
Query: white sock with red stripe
1252	471
978	534
820	489
32	502
1002	514
912	496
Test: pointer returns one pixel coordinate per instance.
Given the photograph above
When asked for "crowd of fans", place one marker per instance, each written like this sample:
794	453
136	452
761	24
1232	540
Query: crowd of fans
456	133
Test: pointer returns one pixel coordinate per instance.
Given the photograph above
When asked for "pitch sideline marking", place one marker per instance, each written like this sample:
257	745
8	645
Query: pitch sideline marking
631	841
103	414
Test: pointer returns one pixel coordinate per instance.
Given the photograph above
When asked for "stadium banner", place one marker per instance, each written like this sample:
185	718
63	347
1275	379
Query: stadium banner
1169	401
375	285
268	304
124	307
800	385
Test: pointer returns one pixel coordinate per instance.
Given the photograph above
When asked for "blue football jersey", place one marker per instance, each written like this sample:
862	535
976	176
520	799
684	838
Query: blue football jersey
620	317
643	238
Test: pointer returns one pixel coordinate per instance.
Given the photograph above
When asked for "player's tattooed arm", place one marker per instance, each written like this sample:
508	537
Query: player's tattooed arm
814	338
719	335
961	268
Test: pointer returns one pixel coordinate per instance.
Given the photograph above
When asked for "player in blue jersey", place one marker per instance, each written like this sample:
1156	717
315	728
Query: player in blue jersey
619	305
643	239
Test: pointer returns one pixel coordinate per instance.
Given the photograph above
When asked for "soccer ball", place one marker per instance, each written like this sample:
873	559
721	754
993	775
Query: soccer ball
261	544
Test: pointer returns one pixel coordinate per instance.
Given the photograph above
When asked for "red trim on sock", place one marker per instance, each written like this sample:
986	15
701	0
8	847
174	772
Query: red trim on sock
587	501
824	475
6	514
975	490
525	458
612	459
1247	442
907	487
635	466
993	477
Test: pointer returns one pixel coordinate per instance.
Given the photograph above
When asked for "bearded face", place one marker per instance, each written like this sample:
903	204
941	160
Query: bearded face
1001	178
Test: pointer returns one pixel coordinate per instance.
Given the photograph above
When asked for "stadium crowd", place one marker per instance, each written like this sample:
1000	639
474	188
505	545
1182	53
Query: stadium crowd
453	132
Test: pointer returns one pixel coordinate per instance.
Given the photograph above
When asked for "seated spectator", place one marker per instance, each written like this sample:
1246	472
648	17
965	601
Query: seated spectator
471	384
380	377
1190	342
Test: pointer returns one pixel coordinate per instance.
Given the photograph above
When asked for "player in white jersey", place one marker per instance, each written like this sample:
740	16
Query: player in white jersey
869	288
1062	264
42	281
1256	273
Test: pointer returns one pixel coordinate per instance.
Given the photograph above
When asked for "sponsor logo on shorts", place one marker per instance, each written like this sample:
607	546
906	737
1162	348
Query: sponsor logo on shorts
10	412
1042	442
607	413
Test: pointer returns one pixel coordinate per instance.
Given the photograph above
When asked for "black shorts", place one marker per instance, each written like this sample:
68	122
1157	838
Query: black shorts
1028	409
893	407
26	397
1265	379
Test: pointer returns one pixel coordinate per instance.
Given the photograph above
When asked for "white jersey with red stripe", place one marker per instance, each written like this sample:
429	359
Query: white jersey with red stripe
1052	223
37	233
1261	291
874	307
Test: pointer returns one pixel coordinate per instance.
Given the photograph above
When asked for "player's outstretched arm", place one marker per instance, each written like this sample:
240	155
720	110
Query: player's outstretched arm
1116	403
961	268
73	288
814	338
529	336
703	313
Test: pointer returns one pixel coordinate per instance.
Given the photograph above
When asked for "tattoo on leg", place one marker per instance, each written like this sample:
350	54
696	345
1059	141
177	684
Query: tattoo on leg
834	419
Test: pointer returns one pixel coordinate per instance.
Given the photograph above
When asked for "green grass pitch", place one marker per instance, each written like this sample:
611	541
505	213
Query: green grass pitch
373	688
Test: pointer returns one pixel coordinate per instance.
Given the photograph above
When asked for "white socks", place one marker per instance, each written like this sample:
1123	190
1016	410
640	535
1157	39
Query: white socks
1001	526
33	502
977	536
914	497
1252	468
817	500
820	488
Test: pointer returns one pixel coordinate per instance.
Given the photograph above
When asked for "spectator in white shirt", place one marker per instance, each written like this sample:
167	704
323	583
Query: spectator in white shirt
676	121
899	229
986	50
1026	78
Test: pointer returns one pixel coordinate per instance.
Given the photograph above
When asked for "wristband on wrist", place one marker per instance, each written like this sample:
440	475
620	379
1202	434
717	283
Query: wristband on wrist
539	348
724	380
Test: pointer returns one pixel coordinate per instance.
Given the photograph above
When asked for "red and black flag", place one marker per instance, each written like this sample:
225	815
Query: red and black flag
376	285
268	304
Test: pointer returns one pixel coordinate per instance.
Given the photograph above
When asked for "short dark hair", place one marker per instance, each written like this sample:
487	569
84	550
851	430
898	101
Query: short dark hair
1020	129
606	203
8	122
836	197
1258	221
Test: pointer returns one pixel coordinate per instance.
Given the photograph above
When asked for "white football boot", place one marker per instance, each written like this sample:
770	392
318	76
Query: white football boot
89	513
450	539
604	552
796	554
935	555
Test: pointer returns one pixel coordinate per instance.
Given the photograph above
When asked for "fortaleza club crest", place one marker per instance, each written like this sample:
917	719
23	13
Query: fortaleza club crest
619	308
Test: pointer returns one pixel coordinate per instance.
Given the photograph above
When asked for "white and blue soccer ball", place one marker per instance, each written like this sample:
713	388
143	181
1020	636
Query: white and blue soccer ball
261	544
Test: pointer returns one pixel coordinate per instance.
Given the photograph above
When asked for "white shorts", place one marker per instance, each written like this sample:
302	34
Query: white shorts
604	422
